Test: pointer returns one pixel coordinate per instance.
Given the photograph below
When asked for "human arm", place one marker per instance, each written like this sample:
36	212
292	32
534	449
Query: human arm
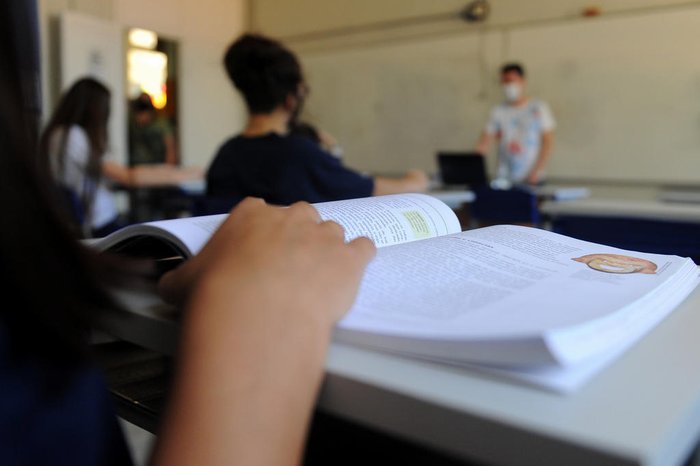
148	174
491	132
535	175
330	143
415	181
266	292
484	143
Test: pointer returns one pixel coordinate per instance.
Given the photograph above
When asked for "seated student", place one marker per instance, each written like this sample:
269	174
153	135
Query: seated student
74	145
263	297
266	160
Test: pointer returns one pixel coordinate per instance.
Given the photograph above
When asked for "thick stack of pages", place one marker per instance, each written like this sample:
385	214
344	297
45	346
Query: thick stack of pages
519	302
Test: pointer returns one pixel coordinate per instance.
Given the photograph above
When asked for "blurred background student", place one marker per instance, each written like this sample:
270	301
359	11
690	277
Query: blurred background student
74	144
151	138
523	128
268	160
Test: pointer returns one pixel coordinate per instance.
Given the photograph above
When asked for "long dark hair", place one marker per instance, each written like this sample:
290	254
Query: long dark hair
263	70
54	282
85	104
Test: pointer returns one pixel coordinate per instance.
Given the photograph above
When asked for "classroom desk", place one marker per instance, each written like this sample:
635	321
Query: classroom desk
454	198
162	200
653	210
643	409
679	195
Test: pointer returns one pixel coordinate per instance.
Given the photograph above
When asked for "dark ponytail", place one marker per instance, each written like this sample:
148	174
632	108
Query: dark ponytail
263	70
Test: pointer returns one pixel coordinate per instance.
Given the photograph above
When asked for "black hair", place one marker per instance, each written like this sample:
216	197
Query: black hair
53	282
143	103
513	68
263	70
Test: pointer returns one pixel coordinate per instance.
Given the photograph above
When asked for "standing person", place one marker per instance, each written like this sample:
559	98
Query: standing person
262	298
266	160
74	145
151	138
523	128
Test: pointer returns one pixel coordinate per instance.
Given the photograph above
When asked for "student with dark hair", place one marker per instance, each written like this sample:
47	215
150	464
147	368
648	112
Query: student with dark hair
523	128
516	68
261	300
266	160
74	147
151	138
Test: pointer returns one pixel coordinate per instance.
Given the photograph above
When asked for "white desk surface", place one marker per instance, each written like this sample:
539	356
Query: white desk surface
453	198
650	209
456	197
643	409
679	195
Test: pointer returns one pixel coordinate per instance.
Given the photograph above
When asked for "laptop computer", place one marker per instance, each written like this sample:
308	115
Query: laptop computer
462	169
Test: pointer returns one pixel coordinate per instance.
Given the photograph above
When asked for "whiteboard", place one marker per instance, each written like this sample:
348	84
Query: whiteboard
625	91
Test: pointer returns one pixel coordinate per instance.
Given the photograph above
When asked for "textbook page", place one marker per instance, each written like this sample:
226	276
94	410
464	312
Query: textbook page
496	294
392	219
188	234
385	220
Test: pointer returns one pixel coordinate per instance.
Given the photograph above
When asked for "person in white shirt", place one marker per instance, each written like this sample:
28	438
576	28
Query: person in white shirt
523	128
74	147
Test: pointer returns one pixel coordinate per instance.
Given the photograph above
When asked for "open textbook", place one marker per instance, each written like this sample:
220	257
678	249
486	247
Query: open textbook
509	300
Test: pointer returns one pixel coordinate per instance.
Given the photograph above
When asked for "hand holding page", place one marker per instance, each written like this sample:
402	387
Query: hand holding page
510	300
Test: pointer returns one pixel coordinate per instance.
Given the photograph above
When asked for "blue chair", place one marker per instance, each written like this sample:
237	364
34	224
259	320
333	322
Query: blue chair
497	206
636	234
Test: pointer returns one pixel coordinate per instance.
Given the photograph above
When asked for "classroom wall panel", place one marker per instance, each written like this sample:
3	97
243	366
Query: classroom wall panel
392	107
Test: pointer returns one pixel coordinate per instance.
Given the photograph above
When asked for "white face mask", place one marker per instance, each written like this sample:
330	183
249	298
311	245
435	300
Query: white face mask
512	91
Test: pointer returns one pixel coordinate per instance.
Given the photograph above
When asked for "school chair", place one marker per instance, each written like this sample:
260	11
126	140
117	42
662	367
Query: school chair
510	206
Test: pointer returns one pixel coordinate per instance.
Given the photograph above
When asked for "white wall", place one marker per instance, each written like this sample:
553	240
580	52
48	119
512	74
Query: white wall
210	110
395	84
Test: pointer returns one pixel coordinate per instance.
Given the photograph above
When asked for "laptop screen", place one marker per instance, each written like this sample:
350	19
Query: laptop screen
462	168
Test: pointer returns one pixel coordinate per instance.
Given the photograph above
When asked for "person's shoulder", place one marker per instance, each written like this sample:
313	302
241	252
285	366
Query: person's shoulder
76	133
306	149
301	142
77	140
540	107
230	143
162	123
500	108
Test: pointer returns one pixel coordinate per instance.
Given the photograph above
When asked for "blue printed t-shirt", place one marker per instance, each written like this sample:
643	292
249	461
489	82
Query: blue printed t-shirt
282	170
43	422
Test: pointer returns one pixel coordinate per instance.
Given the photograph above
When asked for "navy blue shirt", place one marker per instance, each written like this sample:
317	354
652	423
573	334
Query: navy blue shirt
282	170
56	416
